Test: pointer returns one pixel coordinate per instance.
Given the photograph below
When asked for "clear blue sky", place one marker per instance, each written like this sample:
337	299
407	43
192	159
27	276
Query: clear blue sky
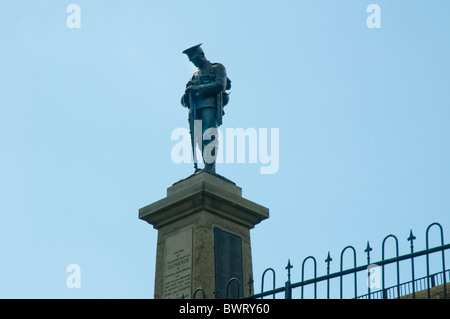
87	115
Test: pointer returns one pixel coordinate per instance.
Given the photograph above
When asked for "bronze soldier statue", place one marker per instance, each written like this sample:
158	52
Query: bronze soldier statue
205	96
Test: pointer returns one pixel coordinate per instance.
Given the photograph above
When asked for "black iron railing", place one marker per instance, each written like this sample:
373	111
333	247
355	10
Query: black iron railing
400	289
369	270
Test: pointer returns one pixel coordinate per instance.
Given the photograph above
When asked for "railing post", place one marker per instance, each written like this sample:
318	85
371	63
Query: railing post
287	285
288	290
328	260
411	238
250	285
367	251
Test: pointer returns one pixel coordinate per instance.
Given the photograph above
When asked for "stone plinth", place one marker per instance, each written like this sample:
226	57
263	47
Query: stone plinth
203	238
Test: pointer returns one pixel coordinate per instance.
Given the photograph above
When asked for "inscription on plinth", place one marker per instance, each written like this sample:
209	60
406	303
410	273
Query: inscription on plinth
178	265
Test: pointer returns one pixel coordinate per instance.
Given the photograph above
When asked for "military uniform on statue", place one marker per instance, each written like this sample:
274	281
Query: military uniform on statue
205	96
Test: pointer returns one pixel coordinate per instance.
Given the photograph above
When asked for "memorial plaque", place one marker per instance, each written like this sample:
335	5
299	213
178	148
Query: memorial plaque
178	265
228	264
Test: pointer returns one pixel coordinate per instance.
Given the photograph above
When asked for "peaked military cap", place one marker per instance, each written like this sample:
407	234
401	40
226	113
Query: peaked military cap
193	50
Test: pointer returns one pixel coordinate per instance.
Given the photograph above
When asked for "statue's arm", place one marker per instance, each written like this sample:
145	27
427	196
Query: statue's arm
185	99
217	86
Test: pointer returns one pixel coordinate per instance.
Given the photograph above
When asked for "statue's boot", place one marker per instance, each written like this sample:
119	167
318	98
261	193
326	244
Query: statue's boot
210	168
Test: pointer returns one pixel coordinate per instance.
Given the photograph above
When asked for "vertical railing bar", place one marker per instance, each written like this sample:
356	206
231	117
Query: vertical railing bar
443	257
273	281
287	285
197	290
354	270
397	262
315	275
228	286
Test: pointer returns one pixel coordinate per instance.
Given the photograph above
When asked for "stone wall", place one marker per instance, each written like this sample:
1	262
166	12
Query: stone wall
435	293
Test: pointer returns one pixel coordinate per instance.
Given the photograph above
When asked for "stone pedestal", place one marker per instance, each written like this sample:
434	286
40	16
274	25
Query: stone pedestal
203	238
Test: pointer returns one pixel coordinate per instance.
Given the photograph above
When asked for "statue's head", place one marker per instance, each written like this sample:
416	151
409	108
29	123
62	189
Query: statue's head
195	55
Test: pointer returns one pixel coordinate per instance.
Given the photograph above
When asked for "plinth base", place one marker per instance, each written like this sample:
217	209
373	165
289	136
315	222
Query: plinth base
203	238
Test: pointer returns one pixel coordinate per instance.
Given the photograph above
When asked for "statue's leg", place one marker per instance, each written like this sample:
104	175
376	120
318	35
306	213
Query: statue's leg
209	153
